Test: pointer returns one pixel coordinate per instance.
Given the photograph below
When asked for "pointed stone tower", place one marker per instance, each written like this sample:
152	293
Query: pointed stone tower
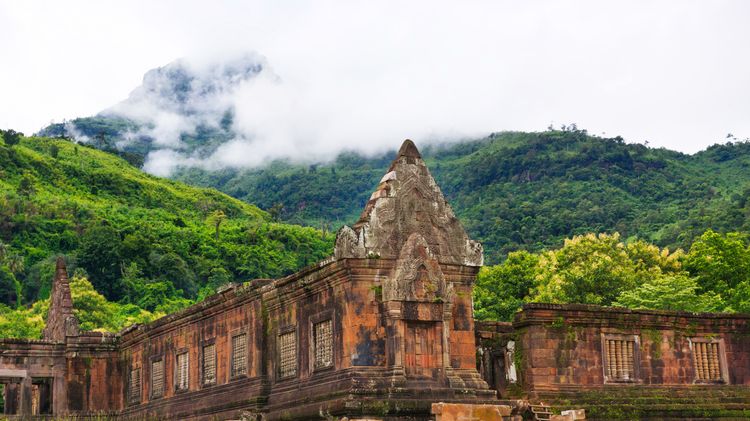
408	204
61	321
427	267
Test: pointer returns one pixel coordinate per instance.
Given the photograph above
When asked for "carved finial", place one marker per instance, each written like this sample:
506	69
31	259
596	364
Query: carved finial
409	149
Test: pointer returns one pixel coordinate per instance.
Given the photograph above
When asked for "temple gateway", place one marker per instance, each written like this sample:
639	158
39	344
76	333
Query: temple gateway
381	330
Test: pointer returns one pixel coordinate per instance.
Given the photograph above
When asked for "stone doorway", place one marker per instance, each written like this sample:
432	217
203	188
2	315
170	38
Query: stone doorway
41	396
423	349
11	398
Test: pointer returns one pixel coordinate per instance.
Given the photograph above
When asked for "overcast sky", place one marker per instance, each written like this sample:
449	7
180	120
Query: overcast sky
369	74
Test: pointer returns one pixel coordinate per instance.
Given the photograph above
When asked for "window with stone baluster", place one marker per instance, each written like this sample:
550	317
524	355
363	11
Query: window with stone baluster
239	355
182	375
708	360
157	378
208	363
287	343
134	386
621	358
323	344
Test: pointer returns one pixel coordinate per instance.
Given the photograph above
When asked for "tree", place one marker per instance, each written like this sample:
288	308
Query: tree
676	292
275	211
170	267
100	256
215	219
595	269
15	263
721	262
95	312
26	187
10	289
22	322
588	269
11	137
54	151
501	290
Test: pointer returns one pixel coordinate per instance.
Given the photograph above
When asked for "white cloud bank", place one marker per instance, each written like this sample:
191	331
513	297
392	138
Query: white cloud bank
366	75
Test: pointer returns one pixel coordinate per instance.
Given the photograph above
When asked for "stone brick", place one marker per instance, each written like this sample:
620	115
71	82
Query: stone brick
469	412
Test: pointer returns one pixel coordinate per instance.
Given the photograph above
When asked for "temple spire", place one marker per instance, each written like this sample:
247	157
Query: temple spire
408	203
409	149
61	321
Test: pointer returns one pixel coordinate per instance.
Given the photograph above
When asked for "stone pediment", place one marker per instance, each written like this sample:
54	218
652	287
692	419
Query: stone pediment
417	275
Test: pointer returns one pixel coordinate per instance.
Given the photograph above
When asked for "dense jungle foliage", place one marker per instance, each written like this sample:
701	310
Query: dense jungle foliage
525	191
140	246
712	276
145	244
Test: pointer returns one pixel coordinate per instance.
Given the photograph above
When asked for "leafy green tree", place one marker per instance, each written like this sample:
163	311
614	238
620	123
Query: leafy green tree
588	269
721	262
673	292
170	267
276	210
218	277
11	137
595	269
26	187
133	283
54	151
500	290
100	257
10	289
21	323
215	219
95	312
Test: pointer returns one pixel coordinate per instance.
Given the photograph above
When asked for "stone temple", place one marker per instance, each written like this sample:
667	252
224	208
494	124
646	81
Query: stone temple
381	330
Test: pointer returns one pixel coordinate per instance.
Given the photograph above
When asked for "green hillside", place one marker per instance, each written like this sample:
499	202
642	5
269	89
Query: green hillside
139	239
525	190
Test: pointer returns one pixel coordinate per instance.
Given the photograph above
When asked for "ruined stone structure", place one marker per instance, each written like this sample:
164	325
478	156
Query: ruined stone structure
382	330
619	363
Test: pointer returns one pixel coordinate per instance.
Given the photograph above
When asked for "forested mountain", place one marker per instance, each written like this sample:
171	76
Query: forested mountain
139	239
525	190
511	190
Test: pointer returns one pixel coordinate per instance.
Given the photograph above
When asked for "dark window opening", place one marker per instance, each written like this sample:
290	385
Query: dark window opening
41	396
11	395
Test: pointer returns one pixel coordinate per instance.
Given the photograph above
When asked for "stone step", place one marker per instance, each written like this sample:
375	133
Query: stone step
664	399
695	411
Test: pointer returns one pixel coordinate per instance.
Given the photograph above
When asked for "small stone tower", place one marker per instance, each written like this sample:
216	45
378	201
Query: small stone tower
426	291
61	322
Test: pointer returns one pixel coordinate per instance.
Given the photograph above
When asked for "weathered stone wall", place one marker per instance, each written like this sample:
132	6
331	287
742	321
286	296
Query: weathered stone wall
565	344
84	372
213	322
93	374
368	361
393	306
561	357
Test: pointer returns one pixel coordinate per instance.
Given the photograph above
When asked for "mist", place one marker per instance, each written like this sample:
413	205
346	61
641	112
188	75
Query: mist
364	76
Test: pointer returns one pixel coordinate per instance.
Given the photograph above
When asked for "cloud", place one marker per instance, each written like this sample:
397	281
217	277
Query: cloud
365	75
